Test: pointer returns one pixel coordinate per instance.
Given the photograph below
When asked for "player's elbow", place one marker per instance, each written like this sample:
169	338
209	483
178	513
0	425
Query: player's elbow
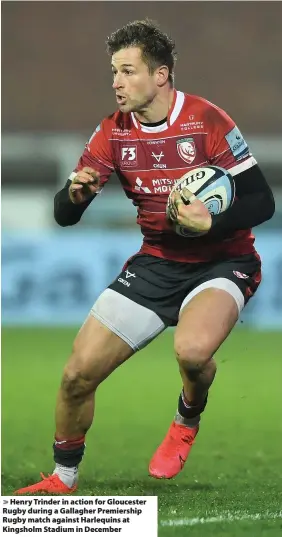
63	221
65	212
264	207
268	205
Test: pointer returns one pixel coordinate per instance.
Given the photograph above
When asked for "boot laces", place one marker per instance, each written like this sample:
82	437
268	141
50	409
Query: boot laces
52	478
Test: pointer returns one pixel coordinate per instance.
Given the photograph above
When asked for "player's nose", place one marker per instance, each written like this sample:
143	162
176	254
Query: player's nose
117	83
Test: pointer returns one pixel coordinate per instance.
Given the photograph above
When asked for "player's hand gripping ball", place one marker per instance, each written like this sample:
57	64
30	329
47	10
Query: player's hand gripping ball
198	195
189	215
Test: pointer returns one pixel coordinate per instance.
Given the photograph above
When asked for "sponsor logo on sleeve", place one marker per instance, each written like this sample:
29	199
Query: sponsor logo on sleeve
98	128
237	144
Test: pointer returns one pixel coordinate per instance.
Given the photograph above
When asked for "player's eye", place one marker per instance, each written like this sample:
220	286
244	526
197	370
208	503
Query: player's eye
128	72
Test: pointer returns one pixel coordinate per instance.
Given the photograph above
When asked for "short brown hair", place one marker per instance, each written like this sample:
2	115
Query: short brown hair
156	46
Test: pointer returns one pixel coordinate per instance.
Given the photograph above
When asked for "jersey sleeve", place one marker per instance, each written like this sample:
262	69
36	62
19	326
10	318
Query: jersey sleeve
97	155
226	146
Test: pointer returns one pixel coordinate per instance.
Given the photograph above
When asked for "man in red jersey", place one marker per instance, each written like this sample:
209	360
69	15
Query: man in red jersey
200	285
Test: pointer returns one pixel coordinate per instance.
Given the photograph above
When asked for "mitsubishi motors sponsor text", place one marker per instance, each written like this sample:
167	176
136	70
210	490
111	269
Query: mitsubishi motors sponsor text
163	185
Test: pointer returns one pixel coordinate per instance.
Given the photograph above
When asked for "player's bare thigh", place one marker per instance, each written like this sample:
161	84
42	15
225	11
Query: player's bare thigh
204	324
115	329
97	351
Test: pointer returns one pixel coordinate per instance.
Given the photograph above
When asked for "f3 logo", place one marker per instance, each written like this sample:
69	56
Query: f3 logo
129	155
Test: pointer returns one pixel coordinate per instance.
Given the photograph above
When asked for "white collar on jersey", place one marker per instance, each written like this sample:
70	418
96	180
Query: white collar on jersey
172	115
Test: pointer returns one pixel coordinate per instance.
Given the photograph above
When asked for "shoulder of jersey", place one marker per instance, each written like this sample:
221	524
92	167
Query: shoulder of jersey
199	102
117	120
121	121
210	112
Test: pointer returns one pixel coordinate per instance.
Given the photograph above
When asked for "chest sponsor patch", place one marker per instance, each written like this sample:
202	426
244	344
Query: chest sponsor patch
129	155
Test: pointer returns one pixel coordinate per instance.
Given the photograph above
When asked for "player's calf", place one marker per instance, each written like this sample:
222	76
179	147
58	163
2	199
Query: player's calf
96	353
197	370
197	376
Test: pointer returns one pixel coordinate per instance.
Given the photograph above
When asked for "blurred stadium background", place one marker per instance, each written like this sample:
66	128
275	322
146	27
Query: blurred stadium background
56	87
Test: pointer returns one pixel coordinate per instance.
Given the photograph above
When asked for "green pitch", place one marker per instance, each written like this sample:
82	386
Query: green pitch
234	470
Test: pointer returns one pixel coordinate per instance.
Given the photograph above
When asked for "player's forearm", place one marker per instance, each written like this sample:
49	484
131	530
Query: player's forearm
67	213
247	212
255	205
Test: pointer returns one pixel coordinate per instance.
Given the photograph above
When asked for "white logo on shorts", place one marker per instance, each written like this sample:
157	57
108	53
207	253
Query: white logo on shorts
124	282
240	274
129	274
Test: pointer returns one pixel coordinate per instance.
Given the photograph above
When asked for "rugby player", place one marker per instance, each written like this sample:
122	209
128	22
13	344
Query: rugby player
200	285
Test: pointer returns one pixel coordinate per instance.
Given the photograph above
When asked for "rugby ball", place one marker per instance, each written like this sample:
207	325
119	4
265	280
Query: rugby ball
212	185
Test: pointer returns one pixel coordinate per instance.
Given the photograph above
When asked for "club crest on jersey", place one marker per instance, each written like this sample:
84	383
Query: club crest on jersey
186	149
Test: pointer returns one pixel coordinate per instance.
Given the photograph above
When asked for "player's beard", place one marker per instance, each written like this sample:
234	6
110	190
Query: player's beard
136	105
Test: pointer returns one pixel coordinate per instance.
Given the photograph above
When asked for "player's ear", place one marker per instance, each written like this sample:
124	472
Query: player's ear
162	74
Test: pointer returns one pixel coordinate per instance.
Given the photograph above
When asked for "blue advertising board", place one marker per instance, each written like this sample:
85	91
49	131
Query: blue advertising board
54	278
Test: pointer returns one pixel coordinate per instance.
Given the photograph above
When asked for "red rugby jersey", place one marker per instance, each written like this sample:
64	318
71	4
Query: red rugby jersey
148	161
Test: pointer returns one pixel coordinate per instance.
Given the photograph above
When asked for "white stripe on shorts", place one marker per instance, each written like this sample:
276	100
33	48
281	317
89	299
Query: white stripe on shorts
218	283
133	323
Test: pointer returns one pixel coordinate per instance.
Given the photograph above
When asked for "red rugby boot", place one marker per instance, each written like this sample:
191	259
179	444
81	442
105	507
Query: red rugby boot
51	485
171	455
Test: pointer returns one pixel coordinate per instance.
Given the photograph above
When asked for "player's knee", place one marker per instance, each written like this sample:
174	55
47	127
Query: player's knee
76	382
192	352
